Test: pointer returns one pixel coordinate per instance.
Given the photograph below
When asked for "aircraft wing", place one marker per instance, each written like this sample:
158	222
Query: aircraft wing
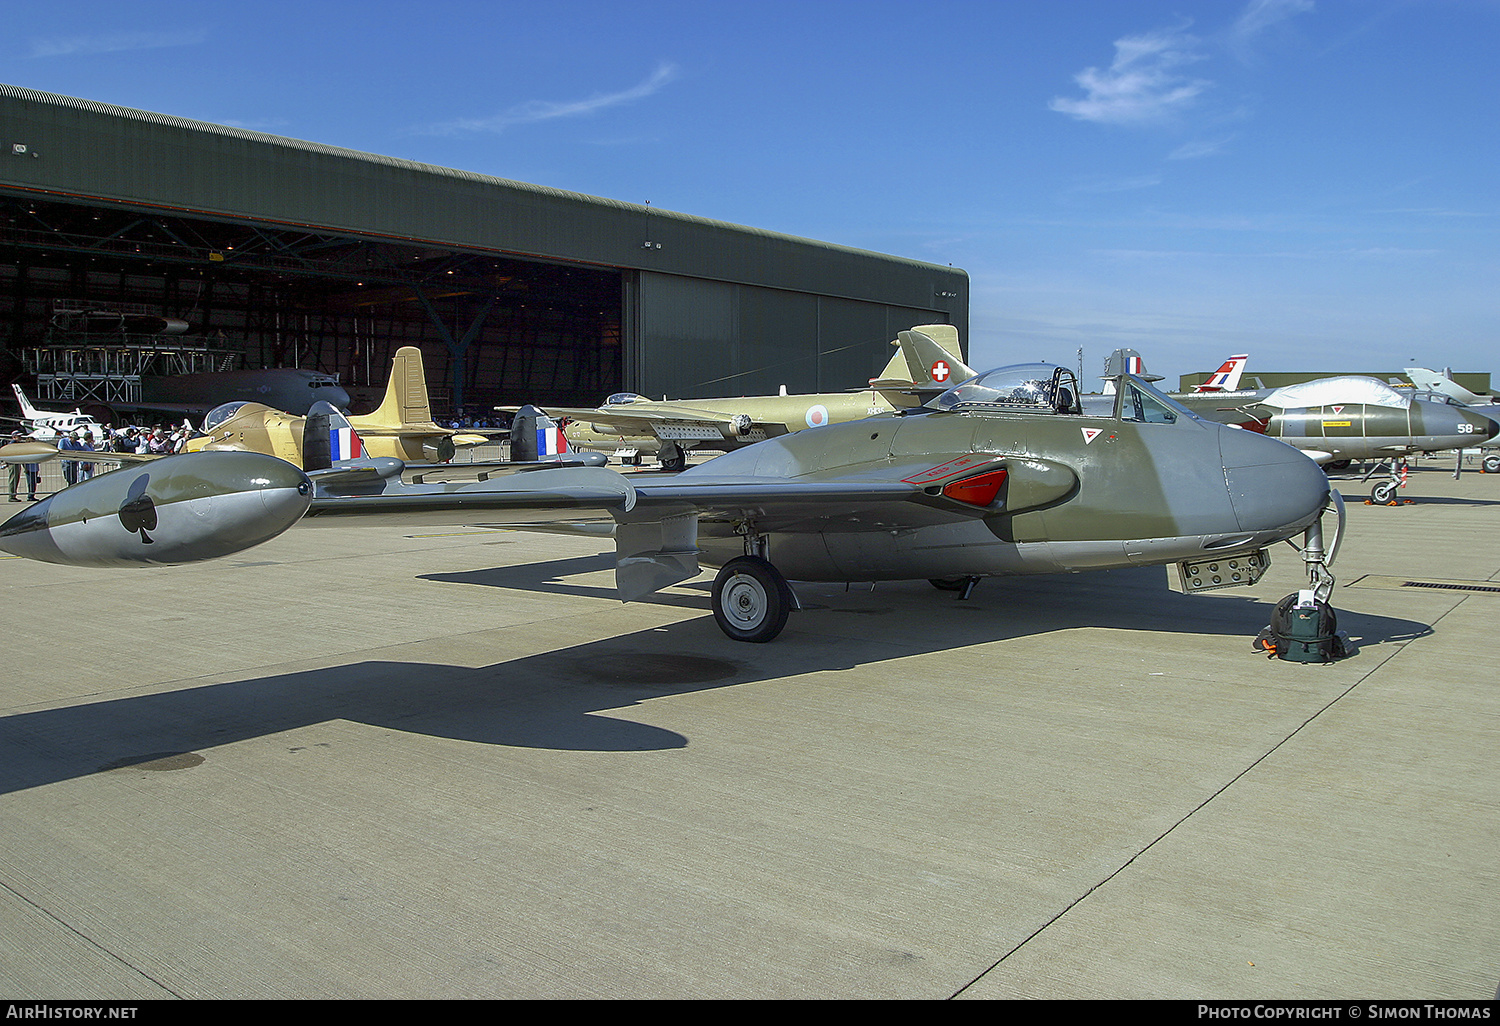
558	492
40	452
461	439
668	421
658	520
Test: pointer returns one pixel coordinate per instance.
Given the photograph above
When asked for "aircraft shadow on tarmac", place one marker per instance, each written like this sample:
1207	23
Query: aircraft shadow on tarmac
1447	500
1000	608
567	699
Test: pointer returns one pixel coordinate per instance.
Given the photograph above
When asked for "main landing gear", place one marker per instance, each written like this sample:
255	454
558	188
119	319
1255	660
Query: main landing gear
672	458
963	585
751	599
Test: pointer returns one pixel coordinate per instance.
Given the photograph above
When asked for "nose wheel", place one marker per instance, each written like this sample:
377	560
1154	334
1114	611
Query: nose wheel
1304	626
1386	493
751	599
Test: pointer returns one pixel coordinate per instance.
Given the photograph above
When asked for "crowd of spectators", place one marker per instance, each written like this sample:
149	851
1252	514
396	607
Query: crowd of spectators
161	440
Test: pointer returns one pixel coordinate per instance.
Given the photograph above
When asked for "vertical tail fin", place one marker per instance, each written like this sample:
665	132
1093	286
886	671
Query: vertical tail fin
27	410
1121	362
327	438
405	401
929	362
1227	377
927	354
535	436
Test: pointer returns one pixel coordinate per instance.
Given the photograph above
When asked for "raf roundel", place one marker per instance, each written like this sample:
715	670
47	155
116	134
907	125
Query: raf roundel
817	416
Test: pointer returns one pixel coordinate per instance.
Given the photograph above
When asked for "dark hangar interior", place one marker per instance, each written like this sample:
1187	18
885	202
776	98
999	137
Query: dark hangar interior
218	248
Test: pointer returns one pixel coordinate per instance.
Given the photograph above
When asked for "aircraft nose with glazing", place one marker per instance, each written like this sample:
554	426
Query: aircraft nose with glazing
1272	486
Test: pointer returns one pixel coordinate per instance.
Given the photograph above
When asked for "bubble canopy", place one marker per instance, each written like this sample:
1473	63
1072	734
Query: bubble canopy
219	414
1026	387
1328	391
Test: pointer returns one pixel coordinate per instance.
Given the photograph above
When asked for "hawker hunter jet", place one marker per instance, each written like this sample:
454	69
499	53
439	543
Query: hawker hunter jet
1004	474
927	363
1339	420
1441	388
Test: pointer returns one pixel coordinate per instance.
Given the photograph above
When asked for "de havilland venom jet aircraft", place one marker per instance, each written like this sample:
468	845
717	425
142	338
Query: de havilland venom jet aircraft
1003	474
927	363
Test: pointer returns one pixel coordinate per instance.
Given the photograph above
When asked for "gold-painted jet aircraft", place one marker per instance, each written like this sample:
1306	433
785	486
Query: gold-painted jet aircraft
402	427
928	362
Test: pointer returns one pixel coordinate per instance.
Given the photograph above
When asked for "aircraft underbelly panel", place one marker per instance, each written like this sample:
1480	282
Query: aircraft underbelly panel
939	551
683	431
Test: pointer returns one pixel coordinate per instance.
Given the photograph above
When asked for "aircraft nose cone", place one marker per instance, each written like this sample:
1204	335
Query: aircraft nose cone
1484	427
1272	486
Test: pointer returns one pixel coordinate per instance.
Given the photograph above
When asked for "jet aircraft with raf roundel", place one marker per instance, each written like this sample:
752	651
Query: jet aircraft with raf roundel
926	363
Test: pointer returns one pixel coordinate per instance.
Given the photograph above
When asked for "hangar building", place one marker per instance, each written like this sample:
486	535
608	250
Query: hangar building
267	251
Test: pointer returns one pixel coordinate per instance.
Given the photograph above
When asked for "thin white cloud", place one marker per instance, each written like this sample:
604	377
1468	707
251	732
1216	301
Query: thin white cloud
1260	15
1199	148
1262	24
1108	185
545	110
118	42
1142	85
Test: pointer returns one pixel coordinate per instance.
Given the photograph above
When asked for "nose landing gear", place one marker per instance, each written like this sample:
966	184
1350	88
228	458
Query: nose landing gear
1303	627
1384	493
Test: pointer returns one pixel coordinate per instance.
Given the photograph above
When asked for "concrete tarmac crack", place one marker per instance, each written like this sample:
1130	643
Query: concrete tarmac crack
87	940
1081	898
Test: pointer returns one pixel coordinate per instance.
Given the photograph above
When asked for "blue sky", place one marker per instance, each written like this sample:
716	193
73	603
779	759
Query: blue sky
1313	182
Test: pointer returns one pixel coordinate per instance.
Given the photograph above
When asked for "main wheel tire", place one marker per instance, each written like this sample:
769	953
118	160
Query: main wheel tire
1492	464
1383	493
948	583
751	599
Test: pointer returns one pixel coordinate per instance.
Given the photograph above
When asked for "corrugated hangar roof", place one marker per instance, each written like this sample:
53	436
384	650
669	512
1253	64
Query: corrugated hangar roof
100	152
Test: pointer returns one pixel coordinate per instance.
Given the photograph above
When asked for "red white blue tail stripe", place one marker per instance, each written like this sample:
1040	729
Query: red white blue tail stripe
344	444
550	440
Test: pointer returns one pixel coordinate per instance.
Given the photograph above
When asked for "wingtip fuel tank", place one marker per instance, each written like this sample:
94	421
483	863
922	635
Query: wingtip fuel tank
179	509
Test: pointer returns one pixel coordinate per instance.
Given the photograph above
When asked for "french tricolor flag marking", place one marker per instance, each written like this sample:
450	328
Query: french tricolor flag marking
345	444
550	441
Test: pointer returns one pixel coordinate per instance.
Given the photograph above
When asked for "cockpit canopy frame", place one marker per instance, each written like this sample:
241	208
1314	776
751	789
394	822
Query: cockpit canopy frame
219	414
1019	388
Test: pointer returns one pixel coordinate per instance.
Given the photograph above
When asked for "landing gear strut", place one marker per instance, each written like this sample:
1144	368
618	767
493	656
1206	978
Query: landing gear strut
1384	494
963	585
1303	627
